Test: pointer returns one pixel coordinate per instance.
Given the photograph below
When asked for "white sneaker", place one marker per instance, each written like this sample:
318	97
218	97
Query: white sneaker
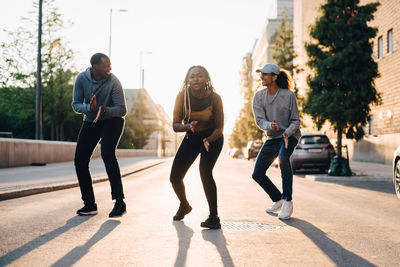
286	211
275	206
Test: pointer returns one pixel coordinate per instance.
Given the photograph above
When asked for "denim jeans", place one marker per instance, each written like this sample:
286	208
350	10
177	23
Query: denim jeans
109	131
271	149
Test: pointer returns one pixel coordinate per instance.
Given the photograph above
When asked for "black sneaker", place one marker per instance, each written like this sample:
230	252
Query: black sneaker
118	210
212	223
182	211
87	210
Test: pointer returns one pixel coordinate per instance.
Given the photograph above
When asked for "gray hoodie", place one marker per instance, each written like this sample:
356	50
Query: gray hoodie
109	93
281	107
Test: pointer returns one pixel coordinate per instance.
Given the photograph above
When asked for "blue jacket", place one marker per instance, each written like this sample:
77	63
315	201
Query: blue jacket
109	93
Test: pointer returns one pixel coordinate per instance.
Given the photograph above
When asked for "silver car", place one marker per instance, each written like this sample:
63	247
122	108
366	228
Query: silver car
396	171
314	151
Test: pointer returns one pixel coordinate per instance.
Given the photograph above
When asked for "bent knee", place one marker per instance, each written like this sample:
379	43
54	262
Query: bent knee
256	176
108	156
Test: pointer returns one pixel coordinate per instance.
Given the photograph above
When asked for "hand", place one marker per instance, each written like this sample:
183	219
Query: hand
193	125
274	126
93	102
101	111
286	139
206	144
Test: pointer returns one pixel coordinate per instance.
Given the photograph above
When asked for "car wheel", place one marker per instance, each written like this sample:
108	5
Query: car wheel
397	179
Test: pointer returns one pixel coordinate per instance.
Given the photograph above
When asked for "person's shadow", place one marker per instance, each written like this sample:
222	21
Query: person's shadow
78	252
337	253
41	240
185	234
218	239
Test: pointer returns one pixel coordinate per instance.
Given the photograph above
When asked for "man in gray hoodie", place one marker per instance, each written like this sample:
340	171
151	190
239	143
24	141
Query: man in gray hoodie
98	95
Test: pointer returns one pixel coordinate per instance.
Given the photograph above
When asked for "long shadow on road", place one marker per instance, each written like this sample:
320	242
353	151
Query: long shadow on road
338	254
78	252
41	240
185	234
218	239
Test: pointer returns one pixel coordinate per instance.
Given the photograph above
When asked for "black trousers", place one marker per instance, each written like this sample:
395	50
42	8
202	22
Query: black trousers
109	131
191	146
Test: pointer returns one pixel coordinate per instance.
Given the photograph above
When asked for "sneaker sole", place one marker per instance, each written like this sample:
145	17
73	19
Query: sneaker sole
211	227
287	217
271	211
87	213
116	216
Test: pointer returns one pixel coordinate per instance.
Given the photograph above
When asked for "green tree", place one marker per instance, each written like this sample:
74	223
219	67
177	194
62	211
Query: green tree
136	133
140	123
245	128
342	85
282	45
18	78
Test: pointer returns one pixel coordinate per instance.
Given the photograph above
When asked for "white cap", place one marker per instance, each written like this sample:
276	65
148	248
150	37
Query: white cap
270	68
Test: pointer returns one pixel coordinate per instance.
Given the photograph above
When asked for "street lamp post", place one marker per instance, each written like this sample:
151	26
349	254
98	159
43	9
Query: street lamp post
141	67
109	41
38	115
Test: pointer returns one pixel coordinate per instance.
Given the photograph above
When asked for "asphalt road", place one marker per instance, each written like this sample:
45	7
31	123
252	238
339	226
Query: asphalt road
347	224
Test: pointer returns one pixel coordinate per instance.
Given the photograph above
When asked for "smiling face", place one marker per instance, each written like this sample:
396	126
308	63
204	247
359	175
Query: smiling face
103	68
268	78
197	79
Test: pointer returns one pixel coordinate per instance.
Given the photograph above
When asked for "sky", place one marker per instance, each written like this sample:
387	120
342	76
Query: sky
163	37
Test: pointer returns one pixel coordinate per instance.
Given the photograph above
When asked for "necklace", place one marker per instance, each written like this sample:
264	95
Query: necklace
273	97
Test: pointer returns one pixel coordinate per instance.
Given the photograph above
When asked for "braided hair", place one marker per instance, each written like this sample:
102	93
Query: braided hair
186	90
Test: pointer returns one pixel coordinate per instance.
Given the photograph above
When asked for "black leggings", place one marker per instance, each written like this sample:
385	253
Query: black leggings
190	148
109	131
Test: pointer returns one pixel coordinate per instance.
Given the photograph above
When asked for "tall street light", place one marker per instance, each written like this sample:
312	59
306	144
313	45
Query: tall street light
109	43
38	115
141	67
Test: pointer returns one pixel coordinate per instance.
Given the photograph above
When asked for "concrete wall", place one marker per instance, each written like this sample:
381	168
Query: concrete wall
20	152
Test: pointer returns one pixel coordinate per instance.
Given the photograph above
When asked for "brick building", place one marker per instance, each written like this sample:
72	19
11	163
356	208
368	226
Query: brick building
383	130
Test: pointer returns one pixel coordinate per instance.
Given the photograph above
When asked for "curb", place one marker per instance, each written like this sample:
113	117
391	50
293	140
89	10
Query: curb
355	178
55	187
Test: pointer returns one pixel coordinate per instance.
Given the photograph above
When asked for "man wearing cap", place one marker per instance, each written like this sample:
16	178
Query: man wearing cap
276	113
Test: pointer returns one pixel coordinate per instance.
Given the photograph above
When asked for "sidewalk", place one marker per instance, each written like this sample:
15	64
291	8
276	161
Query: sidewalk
362	172
29	180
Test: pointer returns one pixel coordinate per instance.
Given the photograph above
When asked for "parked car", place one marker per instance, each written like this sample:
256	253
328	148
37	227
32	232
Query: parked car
314	151
252	148
396	171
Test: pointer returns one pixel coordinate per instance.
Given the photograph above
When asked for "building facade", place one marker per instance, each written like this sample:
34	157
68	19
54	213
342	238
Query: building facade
163	139
262	51
383	130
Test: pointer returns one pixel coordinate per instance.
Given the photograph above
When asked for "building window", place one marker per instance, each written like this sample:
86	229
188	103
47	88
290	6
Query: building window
380	46
390	41
371	125
372	50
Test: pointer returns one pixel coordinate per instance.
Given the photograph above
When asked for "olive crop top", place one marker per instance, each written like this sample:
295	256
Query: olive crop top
207	111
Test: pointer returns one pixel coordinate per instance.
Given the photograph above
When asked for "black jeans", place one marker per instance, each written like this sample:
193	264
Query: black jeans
191	146
109	131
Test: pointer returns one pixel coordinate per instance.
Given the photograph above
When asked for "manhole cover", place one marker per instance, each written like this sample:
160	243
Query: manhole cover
250	226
